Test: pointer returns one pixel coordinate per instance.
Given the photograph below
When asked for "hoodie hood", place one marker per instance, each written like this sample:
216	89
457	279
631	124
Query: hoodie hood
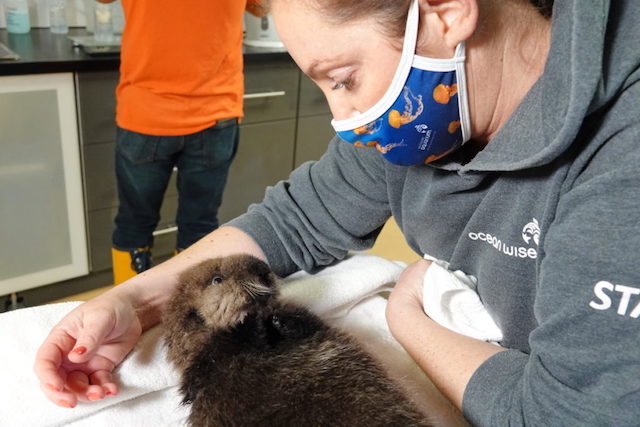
593	52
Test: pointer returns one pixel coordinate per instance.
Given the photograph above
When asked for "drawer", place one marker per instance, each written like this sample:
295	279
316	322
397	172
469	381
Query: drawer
313	137
265	156
312	100
271	91
100	225
100	176
96	92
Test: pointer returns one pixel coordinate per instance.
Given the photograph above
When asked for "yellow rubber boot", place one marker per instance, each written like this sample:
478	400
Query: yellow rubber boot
122	269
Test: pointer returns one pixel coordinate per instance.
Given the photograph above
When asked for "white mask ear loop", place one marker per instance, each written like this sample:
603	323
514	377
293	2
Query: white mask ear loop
457	64
463	101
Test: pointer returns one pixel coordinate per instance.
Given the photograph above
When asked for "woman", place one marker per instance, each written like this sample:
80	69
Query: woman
530	185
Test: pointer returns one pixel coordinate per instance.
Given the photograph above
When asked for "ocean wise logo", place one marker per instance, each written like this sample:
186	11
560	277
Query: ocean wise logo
531	231
530	235
426	136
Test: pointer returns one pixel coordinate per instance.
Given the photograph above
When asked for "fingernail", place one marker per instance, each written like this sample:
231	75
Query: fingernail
52	387
109	393
94	396
65	404
79	350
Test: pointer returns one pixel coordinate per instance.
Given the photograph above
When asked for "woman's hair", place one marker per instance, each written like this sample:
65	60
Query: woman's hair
390	14
544	7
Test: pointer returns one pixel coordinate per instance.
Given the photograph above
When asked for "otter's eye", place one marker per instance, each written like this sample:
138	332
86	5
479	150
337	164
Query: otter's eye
216	280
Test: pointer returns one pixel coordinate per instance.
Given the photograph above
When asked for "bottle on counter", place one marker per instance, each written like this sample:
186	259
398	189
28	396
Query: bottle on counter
58	16
17	15
103	29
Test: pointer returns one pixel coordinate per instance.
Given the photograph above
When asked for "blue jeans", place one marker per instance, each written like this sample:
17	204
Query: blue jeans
143	167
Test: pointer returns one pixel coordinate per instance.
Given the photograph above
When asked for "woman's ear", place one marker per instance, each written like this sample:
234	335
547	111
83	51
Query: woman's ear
453	21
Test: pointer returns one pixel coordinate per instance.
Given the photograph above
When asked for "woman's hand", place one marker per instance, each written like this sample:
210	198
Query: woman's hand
405	300
448	358
77	359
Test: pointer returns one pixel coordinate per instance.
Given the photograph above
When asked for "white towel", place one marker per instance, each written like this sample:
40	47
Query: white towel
450	298
351	295
148	392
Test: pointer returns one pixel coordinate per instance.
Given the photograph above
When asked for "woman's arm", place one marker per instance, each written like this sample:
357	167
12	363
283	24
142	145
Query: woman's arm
448	358
77	359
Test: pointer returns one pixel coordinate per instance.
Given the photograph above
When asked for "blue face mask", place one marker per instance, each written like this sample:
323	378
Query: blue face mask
424	114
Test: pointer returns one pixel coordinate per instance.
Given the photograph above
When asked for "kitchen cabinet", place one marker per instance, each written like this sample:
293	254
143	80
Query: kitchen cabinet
314	130
267	135
42	222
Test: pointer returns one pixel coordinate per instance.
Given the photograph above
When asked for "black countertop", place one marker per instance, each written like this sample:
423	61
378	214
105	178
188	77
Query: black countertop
41	52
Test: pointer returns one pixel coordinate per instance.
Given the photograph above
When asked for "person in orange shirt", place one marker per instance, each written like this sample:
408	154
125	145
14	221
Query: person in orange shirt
179	101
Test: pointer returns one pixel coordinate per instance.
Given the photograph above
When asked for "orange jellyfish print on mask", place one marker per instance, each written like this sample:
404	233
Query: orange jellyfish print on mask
453	126
411	111
360	144
370	128
382	149
435	157
443	93
388	147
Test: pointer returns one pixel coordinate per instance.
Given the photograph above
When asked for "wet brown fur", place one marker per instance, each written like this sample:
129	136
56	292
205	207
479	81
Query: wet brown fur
248	359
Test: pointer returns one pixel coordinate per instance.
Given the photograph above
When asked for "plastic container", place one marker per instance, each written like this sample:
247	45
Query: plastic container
261	32
103	27
17	15
58	16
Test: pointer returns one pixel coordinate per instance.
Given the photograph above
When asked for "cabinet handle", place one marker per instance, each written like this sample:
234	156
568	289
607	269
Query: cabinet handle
165	231
272	94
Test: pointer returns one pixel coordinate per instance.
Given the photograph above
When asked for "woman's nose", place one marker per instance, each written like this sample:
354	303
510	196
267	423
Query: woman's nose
341	108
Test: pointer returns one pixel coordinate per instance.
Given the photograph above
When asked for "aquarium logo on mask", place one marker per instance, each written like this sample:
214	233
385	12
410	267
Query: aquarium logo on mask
424	114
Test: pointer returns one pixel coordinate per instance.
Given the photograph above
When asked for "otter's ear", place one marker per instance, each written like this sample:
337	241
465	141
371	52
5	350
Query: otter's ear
450	21
261	270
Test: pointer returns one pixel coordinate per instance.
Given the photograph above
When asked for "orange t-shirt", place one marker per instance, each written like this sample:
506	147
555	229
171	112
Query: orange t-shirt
181	65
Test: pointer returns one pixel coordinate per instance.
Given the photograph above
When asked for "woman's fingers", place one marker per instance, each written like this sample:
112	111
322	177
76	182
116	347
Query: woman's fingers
60	396
104	380
78	382
91	336
65	399
91	387
49	359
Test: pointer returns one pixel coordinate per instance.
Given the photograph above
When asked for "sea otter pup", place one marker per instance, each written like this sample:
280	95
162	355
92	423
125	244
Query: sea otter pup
248	359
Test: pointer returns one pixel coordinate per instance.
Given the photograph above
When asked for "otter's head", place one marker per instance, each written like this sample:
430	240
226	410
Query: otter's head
222	291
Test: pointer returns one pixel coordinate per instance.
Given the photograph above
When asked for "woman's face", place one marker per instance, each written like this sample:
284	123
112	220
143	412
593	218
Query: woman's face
352	63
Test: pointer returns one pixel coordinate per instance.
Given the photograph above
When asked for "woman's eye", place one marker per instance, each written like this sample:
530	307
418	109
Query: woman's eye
346	83
216	280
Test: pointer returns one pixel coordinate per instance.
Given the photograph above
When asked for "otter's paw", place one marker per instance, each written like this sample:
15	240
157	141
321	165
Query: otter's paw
291	325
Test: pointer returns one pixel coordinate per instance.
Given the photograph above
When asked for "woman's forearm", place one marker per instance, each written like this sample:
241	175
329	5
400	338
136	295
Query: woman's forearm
448	358
149	291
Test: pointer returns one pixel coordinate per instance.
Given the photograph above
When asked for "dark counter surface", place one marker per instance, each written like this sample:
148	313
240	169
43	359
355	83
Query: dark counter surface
41	52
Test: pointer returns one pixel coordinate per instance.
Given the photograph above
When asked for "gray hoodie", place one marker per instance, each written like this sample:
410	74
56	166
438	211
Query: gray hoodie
546	217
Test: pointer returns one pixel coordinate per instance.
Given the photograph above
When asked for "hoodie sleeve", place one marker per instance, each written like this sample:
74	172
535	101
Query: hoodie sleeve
323	210
584	363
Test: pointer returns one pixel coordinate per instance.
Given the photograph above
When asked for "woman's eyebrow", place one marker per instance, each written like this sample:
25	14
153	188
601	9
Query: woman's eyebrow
320	66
